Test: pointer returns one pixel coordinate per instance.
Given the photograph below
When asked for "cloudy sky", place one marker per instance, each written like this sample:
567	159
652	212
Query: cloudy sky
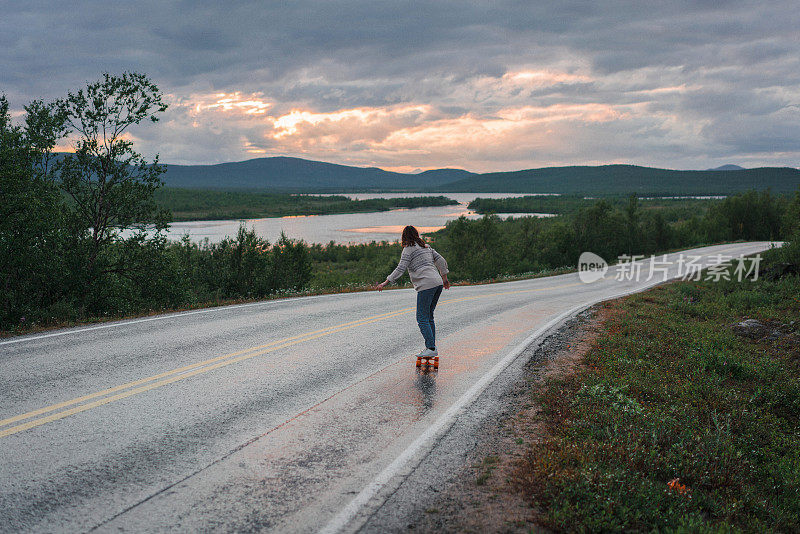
417	85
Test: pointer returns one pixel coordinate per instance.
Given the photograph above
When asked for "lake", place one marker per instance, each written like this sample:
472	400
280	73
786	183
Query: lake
346	227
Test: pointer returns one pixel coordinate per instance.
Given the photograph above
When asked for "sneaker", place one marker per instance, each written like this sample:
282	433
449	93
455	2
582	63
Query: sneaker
428	353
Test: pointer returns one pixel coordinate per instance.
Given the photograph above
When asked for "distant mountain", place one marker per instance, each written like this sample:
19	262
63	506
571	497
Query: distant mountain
728	167
608	179
302	175
298	174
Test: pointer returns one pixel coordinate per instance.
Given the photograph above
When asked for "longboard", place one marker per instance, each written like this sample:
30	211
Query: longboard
428	361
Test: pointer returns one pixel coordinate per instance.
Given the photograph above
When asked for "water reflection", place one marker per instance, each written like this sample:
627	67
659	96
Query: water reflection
392	231
425	388
341	228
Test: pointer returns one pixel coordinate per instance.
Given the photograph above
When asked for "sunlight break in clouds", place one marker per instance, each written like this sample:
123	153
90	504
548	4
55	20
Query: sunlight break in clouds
544	78
230	102
289	123
421	133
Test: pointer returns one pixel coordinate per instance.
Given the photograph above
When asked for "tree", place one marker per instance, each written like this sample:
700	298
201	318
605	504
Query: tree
792	217
749	215
109	183
600	228
31	230
632	223
45	125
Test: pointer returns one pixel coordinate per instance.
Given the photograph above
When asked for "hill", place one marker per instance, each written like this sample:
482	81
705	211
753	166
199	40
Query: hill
727	167
296	174
286	174
616	179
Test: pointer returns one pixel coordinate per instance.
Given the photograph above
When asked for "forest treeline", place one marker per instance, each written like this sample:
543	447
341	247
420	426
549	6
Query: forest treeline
204	204
671	208
63	258
492	247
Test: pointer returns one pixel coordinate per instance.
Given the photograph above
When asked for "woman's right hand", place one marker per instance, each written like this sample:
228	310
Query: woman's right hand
380	286
446	282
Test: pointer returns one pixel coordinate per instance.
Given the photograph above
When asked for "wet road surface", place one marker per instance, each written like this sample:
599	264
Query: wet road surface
290	415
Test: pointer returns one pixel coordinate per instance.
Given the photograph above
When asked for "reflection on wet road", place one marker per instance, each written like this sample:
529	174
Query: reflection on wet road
266	416
425	384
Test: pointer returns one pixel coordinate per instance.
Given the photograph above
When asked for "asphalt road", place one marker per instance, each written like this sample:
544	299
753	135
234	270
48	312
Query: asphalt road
292	415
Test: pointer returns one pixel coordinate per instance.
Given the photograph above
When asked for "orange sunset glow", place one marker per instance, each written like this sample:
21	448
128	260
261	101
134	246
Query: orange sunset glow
483	87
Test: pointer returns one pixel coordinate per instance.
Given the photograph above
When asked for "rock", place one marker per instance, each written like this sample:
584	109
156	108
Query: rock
771	330
776	334
751	328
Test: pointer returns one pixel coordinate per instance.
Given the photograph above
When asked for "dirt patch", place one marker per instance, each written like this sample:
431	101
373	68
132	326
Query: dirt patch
483	496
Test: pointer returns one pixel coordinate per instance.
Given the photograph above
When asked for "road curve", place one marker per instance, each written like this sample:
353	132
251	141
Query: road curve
286	415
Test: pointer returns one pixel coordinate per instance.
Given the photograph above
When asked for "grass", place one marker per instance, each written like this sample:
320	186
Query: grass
486	468
675	422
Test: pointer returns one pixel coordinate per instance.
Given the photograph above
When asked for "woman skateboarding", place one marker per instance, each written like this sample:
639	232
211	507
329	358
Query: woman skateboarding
428	272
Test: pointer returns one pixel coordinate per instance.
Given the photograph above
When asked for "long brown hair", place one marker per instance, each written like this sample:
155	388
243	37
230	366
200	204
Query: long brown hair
411	237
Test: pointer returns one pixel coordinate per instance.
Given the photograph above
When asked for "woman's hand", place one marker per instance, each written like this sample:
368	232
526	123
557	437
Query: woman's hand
380	286
446	282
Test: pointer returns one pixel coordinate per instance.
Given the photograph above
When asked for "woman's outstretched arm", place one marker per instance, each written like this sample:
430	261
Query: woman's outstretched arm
398	271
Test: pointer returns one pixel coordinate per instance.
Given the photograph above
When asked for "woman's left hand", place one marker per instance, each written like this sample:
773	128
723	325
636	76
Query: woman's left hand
380	286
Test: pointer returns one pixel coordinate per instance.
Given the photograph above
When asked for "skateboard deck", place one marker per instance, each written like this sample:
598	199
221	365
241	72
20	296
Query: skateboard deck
427	362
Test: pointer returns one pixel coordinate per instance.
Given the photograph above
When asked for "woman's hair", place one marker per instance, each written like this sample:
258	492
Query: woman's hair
411	237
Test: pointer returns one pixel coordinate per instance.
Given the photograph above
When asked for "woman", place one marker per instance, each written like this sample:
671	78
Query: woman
428	272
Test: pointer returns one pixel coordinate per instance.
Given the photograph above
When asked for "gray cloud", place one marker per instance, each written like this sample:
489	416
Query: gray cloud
732	68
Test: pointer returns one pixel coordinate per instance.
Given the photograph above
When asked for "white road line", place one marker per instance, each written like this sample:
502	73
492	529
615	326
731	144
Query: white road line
445	421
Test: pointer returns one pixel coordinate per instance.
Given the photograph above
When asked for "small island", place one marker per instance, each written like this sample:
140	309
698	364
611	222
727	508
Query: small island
206	205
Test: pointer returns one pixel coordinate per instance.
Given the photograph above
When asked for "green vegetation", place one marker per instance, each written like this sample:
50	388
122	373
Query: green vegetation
351	266
486	467
672	209
61	255
677	422
490	247
623	179
197	204
59	249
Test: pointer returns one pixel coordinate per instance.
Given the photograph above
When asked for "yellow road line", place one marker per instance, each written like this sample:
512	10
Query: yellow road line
148	387
176	371
181	373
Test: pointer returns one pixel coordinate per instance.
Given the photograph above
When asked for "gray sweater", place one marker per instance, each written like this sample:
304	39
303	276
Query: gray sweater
425	267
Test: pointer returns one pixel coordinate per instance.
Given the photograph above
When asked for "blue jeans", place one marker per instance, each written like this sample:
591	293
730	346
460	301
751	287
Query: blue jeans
426	303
